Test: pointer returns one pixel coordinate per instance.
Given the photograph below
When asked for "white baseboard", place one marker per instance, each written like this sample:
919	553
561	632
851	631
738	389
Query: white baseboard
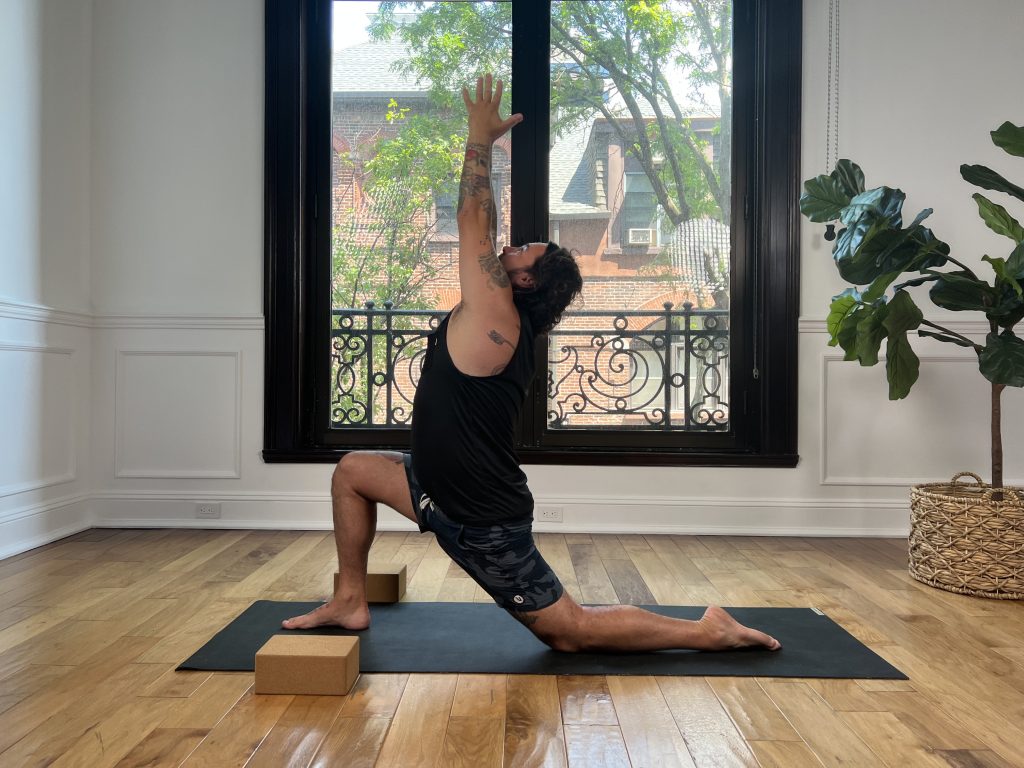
712	517
38	524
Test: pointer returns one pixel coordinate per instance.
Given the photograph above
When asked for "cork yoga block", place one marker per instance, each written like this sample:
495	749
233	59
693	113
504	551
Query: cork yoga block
385	582
308	665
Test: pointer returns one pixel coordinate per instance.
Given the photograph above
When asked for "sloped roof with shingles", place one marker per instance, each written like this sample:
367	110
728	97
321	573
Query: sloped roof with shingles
571	174
369	69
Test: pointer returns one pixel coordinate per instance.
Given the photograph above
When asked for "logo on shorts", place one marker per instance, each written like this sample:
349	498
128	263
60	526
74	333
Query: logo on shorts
518	600
424	501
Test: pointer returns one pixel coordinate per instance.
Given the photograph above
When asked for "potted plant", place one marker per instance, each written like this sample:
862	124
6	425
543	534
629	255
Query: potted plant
966	538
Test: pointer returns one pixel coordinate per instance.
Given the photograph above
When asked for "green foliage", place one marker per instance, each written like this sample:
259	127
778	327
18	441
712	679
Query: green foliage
874	250
598	49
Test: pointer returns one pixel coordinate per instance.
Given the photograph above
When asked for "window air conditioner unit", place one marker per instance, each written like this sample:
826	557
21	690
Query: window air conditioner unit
641	236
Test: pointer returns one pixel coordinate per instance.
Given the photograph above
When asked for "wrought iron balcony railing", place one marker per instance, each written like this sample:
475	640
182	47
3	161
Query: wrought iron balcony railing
660	369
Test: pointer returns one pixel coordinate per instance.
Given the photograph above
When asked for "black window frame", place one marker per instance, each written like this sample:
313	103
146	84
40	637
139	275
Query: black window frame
764	289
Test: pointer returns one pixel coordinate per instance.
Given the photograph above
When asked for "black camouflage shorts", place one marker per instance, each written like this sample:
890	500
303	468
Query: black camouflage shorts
502	558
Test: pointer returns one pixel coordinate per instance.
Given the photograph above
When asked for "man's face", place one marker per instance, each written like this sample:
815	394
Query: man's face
518	260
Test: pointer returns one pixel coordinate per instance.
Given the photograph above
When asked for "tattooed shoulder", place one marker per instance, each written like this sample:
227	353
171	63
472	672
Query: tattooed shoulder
498	339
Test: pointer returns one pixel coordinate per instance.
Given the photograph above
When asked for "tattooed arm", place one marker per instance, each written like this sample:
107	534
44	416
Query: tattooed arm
483	333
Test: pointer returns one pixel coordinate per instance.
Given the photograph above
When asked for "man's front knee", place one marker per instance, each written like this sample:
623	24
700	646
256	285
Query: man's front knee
345	472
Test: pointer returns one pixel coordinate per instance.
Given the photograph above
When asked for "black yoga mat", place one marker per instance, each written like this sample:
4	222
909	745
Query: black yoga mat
483	638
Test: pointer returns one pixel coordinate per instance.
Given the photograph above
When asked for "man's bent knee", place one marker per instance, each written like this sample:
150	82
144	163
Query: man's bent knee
563	632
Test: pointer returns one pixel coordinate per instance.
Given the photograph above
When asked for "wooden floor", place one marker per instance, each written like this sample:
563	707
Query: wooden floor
91	628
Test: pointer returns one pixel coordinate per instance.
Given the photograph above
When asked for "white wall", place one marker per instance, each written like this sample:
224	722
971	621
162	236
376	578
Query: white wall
45	335
175	194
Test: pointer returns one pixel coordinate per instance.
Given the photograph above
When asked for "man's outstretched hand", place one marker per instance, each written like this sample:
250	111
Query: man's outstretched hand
485	123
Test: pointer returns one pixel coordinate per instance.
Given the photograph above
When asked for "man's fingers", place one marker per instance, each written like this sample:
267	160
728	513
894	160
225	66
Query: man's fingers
465	97
479	89
499	86
487	86
513	120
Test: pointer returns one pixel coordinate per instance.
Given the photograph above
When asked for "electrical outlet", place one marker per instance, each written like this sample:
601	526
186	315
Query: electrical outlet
208	509
549	514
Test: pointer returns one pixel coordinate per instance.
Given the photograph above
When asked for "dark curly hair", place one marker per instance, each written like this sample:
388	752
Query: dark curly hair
558	282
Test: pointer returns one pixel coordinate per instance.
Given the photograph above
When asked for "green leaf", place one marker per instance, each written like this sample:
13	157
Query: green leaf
902	365
1009	138
998	218
903	314
1003	274
849	177
823	199
986	178
1008	309
959	292
1015	264
878	288
842	306
1002	360
870	332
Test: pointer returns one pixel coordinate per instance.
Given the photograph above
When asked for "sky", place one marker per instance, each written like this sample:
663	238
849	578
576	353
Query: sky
350	21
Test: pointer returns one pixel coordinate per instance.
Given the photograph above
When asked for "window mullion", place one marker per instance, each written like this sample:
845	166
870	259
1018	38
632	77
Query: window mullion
531	51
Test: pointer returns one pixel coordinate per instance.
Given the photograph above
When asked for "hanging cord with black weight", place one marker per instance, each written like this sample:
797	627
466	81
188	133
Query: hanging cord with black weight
832	119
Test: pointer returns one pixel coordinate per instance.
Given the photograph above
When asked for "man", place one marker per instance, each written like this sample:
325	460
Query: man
462	480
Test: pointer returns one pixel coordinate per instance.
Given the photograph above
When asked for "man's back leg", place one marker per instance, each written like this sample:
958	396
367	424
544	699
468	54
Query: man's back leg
568	626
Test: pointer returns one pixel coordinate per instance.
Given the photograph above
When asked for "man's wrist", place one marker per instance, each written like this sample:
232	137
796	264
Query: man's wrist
479	137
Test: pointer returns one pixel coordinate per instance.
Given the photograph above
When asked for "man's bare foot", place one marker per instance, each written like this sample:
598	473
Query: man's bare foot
725	633
331	614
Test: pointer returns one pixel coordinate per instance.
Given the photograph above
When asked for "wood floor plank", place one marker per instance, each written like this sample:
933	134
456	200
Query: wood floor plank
591	575
533	723
375	696
96	673
296	737
648	727
595	746
234	739
211	701
473	742
111	739
73	719
416	737
890	739
711	736
973	759
480	696
819	726
163	748
752	710
784	754
353	742
586	700
555	551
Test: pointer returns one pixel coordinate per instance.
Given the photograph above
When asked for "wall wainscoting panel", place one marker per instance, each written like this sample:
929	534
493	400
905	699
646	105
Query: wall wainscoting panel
39	416
941	428
178	414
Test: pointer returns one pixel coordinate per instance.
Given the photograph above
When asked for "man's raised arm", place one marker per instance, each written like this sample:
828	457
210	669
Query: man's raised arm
480	271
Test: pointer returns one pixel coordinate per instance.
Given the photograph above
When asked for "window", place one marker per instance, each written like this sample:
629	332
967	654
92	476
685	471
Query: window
679	195
639	211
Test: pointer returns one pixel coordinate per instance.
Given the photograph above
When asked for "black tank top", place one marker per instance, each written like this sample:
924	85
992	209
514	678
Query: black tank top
463	433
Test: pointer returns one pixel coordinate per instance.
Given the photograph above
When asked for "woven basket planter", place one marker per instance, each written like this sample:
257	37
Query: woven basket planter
962	540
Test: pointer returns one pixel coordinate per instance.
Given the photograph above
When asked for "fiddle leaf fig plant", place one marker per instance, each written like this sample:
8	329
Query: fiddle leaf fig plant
881	258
